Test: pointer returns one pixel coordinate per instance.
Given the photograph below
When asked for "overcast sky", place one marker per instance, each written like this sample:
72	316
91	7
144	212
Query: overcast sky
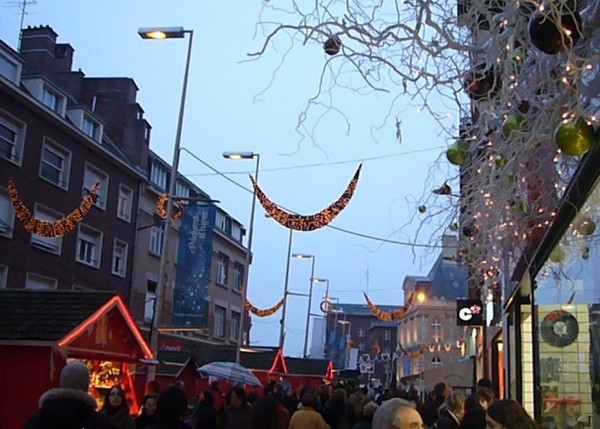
236	104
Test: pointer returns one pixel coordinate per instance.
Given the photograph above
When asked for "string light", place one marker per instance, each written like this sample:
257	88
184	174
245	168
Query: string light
263	313
389	315
161	210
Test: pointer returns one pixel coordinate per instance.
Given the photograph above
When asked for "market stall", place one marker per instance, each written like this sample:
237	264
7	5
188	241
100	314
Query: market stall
41	330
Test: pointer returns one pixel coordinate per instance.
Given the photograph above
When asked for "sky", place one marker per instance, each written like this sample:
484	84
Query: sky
240	103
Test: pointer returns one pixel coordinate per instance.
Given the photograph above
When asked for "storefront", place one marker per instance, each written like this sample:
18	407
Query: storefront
40	331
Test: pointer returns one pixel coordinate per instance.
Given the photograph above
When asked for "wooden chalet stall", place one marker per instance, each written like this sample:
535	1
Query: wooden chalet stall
308	372
41	330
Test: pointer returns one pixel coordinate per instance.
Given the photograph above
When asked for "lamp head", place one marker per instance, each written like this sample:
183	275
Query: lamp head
302	256
162	32
421	297
239	155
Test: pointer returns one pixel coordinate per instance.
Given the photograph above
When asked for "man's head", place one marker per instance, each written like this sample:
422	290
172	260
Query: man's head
397	413
75	375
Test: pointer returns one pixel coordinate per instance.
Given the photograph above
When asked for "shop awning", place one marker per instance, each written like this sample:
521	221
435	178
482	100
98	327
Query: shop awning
85	325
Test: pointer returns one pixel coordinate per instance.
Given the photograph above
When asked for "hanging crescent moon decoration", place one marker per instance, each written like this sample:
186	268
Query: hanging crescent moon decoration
263	313
307	222
389	315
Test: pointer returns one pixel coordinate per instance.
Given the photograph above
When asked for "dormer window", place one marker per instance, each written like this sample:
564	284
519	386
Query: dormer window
91	127
10	68
52	99
86	122
51	96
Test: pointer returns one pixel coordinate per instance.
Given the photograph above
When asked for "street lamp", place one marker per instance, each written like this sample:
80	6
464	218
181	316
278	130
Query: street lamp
167	33
285	291
245	155
312	275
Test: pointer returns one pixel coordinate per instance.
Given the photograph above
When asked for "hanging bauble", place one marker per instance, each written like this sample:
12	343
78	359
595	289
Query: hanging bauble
422	209
575	137
554	32
500	161
481	83
457	153
469	230
585	226
453	227
332	45
514	123
557	255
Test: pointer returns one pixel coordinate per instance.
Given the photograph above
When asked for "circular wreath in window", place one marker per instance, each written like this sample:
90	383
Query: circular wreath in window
559	328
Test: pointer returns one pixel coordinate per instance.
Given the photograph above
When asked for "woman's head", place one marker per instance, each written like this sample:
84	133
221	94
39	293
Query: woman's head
116	397
508	414
172	404
456	403
149	403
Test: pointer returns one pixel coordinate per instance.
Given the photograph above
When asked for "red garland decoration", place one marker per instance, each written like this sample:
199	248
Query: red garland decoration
46	228
307	222
386	315
177	206
260	312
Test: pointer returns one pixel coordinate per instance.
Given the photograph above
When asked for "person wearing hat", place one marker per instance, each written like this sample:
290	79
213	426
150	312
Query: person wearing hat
69	406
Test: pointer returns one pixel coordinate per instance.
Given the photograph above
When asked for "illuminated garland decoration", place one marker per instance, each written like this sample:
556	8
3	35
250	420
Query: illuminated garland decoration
411	355
162	212
389	315
307	222
45	228
263	313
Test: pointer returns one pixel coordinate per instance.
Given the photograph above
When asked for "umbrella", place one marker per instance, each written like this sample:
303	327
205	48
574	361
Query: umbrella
229	371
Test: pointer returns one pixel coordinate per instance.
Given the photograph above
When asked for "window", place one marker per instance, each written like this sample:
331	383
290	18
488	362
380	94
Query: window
119	260
9	68
156	240
223	222
35	281
124	203
238	276
53	99
436	362
92	176
91	127
235	326
222	269
436	330
182	190
7	214
89	246
219	329
361	333
150	299
236	231
55	164
12	137
387	335
3	276
50	244
158	175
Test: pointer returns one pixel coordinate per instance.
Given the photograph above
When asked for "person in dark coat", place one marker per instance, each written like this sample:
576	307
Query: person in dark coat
206	418
452	412
148	415
116	408
366	419
237	414
69	406
171	409
475	406
335	411
429	412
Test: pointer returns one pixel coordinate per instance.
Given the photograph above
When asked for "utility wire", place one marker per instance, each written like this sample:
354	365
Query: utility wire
345	231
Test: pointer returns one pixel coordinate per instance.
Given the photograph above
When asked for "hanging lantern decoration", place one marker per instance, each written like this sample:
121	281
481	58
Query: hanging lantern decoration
575	137
585	226
481	83
457	153
514	123
263	313
332	45
307	222
45	228
161	207
554	32
389	315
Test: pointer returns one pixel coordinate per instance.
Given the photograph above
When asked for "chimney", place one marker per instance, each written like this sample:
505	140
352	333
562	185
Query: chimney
42	54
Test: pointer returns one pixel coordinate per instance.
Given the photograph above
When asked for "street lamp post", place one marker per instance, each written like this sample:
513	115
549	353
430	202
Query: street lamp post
245	155
285	292
310	292
167	33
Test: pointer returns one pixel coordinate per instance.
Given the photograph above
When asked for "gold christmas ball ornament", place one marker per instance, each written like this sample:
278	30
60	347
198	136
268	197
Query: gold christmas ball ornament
514	123
575	137
457	153
585	226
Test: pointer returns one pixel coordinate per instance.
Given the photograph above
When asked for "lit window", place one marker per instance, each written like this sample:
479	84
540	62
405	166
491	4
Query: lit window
149	303
238	276
124	203
156	240
35	281
91	176
49	244
3	276
89	246
91	128
55	164
219	328
235	325
158	175
119	261
12	137
436	330
7	214
52	99
222	269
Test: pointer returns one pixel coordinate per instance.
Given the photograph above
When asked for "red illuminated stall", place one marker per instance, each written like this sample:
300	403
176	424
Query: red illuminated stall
41	330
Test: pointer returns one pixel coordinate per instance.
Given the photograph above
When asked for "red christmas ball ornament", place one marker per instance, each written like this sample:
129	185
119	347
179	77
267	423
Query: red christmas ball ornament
554	32
332	45
481	83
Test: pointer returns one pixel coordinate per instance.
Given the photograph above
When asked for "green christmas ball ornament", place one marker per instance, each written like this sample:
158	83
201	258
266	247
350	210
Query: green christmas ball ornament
514	123
457	153
500	161
574	138
422	209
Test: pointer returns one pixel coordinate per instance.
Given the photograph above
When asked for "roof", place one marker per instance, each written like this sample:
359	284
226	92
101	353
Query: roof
302	366
172	363
40	315
384	324
259	358
362	309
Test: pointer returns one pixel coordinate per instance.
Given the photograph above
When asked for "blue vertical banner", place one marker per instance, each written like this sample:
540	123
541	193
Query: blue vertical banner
335	348
194	255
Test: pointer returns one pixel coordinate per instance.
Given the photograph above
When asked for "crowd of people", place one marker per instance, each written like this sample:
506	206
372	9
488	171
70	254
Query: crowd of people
279	406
